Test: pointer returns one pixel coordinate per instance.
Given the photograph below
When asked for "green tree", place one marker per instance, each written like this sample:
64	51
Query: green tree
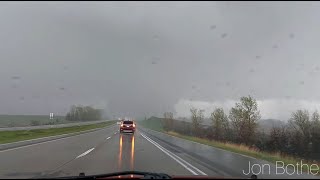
220	124
244	119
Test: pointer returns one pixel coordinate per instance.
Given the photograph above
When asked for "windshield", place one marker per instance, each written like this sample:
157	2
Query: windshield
213	89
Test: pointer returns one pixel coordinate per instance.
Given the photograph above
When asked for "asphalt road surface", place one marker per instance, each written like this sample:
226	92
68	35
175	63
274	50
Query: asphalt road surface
107	151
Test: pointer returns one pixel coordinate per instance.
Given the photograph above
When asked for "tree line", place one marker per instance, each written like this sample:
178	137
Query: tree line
83	113
299	137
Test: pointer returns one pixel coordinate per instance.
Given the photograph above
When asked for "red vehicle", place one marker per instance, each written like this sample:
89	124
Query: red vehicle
127	126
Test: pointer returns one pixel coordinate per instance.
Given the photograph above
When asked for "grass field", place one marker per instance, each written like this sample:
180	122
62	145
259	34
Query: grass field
25	120
13	136
155	124
152	123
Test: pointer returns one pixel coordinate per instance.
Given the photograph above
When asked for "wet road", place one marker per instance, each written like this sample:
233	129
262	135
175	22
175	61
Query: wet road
106	151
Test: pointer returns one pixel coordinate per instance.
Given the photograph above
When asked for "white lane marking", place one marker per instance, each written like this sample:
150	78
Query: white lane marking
174	157
162	149
11	149
108	138
85	153
201	172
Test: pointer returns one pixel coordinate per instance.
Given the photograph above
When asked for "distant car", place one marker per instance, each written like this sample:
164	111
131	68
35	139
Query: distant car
127	126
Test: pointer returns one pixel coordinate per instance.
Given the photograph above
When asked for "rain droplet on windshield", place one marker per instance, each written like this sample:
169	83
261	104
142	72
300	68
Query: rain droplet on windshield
65	67
251	70
302	82
14	86
15	77
155	37
62	88
21	98
193	86
275	46
224	35
213	27
317	68
258	57
155	60
227	84
291	35
35	96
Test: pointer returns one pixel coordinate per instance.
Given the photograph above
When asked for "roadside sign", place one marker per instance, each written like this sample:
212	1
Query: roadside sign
51	115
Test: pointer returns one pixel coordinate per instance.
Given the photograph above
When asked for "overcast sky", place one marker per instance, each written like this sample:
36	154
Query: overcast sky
144	58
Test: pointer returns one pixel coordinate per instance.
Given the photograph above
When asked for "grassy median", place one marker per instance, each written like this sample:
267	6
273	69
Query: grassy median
232	147
14	136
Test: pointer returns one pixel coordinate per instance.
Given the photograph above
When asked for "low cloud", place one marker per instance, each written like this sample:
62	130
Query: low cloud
269	108
182	107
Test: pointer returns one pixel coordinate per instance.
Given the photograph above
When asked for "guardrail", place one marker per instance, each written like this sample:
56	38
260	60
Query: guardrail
51	126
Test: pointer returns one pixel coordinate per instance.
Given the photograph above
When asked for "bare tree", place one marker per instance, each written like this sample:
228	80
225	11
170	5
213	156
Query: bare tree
315	133
315	120
83	113
168	121
279	139
197	117
300	121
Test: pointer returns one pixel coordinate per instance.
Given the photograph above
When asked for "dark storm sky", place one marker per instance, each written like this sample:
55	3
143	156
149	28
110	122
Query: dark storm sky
144	58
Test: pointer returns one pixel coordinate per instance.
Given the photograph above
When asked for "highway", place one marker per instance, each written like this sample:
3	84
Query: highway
107	151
